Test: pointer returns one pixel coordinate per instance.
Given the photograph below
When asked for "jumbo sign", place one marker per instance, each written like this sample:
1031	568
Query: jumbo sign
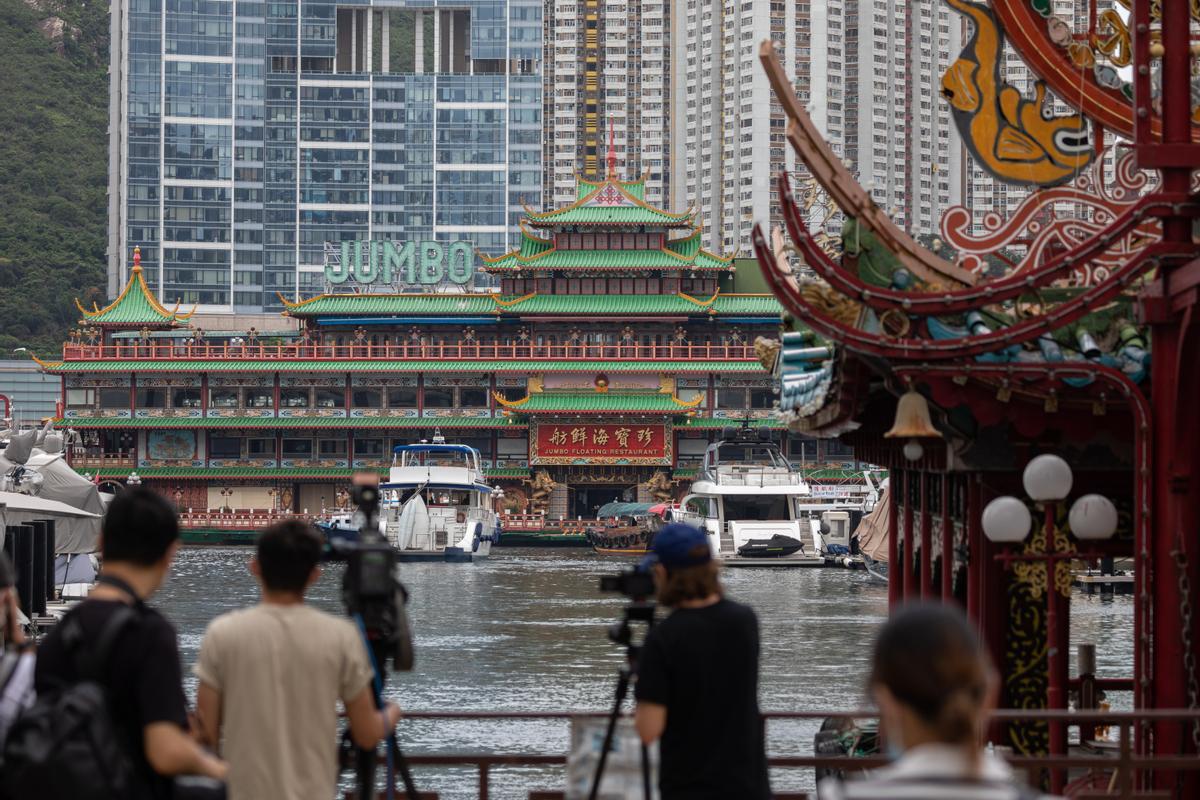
389	262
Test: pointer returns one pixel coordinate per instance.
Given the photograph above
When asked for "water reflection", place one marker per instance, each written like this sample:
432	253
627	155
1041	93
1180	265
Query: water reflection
526	631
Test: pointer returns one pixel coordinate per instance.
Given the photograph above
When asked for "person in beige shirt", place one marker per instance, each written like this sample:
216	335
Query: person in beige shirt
271	677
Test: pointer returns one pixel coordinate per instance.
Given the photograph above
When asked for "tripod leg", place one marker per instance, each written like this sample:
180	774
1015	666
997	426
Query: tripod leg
645	772
410	788
619	700
365	766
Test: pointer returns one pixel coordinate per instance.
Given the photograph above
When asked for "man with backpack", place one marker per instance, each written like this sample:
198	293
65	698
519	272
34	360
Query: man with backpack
111	719
16	655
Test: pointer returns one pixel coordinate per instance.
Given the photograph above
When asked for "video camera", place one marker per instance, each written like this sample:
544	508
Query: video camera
636	584
371	591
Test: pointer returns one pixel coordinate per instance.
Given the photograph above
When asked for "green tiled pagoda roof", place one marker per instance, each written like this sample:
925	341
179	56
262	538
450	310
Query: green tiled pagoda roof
709	422
508	306
265	472
609	202
584	187
677	254
437	304
291	422
626	402
312	365
136	305
610	215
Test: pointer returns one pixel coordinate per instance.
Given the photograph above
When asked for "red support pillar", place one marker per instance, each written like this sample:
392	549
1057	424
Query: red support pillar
926	562
1175	389
975	553
895	573
949	484
906	560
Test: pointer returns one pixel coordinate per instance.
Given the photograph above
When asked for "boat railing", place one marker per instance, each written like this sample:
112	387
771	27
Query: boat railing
757	475
1111	763
404	351
523	522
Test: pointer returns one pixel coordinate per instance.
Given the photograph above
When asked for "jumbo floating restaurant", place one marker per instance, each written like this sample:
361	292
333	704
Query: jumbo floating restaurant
615	350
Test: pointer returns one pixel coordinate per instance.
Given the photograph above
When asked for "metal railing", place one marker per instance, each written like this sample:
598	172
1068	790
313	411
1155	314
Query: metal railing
407	351
1117	768
238	519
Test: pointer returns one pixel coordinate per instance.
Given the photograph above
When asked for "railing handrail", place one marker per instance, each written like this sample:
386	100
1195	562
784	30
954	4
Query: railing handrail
1126	766
299	351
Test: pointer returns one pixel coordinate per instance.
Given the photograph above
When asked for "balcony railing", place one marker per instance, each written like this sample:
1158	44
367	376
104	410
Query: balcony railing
409	351
1107	768
104	460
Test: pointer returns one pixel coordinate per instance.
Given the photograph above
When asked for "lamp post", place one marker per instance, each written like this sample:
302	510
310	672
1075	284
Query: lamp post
226	494
1047	480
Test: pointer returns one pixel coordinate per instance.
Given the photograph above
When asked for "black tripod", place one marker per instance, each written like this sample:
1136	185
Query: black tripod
622	633
365	761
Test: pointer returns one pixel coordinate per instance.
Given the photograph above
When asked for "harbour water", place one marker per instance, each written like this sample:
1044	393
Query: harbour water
525	631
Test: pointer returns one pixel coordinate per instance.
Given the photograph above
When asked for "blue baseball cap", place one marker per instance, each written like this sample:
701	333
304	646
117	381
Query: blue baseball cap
679	545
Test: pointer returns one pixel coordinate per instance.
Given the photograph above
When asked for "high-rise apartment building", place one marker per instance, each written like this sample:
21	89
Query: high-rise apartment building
607	69
869	72
247	136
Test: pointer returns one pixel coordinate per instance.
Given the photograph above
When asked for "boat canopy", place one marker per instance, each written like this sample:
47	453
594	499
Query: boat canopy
433	448
618	509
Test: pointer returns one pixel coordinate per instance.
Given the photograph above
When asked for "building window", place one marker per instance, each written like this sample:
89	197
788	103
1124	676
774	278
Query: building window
331	398
368	447
734	398
438	397
367	398
332	448
226	447
113	398
151	398
472	398
186	398
402	397
762	398
297	448
294	398
223	398
260	448
260	398
77	398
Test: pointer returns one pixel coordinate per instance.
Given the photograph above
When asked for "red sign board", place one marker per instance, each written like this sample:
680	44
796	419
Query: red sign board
584	443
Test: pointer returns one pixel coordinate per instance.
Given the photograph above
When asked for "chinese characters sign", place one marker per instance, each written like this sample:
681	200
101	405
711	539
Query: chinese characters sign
584	443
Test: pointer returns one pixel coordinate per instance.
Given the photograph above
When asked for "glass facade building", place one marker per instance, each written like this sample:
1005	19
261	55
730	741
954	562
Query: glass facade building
246	137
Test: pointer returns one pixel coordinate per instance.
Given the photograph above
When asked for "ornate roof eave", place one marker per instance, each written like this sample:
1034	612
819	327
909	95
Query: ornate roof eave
669	218
902	347
837	180
1009	287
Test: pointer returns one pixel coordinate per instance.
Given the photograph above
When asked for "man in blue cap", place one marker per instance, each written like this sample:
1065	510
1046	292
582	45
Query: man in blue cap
697	679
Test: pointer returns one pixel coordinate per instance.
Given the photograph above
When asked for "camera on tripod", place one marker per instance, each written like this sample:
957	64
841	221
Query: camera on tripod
371	591
636	584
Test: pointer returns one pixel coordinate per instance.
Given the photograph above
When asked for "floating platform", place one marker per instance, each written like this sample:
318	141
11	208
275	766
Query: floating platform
546	538
780	562
218	538
1104	584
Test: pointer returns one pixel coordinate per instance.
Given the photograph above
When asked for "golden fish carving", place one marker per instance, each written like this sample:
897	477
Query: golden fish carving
1015	139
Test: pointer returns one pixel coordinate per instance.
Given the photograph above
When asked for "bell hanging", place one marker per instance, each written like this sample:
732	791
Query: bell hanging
912	418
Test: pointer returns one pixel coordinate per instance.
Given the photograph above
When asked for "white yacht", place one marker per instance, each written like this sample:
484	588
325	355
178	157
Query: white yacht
758	510
437	505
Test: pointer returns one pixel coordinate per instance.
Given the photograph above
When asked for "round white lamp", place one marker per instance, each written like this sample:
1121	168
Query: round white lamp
1006	520
1093	517
913	450
1047	478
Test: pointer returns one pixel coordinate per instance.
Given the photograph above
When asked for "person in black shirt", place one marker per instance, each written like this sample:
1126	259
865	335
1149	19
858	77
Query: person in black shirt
139	539
697	679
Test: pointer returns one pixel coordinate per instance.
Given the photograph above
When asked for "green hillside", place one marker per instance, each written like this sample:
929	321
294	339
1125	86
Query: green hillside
53	166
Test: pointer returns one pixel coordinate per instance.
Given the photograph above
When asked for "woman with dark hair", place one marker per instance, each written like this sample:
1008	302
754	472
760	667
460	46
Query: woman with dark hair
934	685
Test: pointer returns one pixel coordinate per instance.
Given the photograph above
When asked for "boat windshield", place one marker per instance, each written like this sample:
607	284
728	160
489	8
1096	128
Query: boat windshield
436	456
758	508
745	453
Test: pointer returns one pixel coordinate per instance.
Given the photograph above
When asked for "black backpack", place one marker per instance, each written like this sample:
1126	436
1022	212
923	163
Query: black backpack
65	746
